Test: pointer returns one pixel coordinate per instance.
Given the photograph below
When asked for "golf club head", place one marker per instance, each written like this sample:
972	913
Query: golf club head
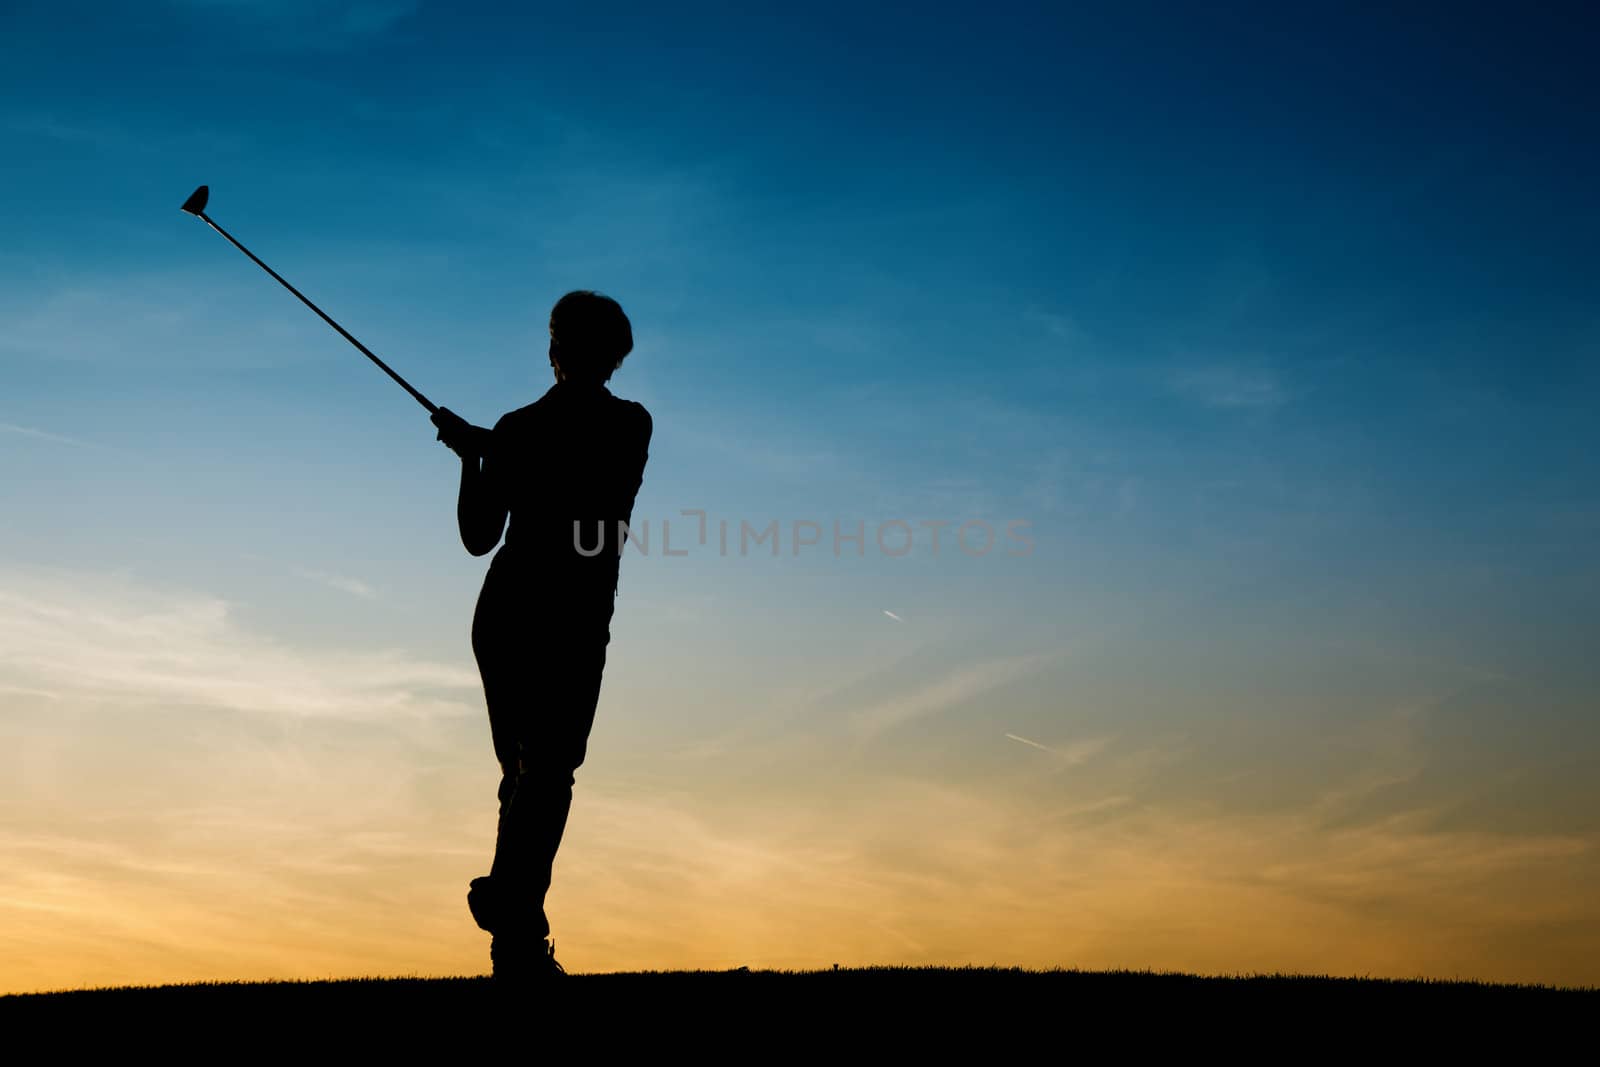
196	204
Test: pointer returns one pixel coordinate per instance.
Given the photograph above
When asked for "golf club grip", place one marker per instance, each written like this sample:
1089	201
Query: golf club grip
325	317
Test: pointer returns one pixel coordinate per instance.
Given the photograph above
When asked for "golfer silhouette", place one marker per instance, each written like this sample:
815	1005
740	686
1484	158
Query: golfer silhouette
565	470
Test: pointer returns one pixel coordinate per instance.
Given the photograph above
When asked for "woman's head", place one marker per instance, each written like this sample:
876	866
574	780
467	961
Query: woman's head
589	337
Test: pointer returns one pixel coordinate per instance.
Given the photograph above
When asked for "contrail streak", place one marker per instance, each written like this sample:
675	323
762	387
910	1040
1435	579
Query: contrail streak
1035	744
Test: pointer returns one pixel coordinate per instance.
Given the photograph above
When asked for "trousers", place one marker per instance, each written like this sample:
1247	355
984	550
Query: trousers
541	646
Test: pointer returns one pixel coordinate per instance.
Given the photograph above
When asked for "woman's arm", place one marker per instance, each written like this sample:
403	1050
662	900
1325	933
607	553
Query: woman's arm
480	507
480	510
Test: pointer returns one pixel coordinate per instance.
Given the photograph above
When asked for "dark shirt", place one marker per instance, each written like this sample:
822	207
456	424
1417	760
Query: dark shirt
575	455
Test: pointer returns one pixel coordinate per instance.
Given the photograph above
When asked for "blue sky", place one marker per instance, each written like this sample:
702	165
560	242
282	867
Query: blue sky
1276	324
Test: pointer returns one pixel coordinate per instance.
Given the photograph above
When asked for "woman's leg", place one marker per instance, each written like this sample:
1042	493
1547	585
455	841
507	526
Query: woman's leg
552	745
542	685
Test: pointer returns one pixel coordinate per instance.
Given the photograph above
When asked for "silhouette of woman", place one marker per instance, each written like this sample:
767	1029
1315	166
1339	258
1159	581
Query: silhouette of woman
565	471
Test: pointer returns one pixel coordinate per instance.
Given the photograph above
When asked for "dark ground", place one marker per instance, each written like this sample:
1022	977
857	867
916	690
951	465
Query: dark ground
773	1014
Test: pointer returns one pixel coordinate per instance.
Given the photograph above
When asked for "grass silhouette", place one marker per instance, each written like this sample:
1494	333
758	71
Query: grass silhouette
899	1009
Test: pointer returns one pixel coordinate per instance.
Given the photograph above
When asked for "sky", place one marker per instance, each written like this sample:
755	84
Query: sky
1241	358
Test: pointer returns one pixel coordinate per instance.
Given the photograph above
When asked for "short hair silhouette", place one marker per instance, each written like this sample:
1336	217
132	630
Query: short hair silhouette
589	336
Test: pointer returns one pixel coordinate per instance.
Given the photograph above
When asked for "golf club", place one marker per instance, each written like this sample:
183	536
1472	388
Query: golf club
196	206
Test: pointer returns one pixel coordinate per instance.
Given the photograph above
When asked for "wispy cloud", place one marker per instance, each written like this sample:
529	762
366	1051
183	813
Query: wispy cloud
353	586
120	137
42	435
104	638
29	691
1118	884
1061	327
1228	386
127	317
954	688
309	25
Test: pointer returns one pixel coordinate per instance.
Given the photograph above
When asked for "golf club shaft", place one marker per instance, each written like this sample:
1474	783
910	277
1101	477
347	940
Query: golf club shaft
346	334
